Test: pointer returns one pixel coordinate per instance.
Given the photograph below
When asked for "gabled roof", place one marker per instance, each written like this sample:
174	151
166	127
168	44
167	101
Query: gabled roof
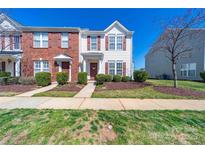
116	23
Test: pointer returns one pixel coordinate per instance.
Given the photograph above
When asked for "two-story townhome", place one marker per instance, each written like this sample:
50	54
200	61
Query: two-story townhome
108	51
189	65
26	50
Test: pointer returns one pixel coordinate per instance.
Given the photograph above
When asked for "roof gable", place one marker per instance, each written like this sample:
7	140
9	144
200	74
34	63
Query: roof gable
117	25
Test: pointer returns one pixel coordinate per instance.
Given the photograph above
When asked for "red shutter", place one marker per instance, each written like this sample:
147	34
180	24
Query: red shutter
106	42
124	43
99	43
88	42
59	40
124	69
106	68
11	42
3	42
3	66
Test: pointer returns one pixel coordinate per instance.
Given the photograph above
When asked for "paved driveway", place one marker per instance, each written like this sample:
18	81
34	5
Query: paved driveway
100	103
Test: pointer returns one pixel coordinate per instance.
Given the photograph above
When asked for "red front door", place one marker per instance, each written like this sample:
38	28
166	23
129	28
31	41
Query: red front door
93	70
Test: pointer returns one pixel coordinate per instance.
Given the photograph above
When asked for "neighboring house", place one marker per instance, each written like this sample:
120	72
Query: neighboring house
189	65
25	50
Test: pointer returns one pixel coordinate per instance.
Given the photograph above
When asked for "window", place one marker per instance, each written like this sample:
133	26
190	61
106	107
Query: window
188	70
111	68
41	66
7	42
119	68
115	67
41	40
16	42
64	40
119	42
93	43
112	42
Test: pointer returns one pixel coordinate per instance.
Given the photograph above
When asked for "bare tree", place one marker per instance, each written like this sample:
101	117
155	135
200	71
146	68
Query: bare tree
173	40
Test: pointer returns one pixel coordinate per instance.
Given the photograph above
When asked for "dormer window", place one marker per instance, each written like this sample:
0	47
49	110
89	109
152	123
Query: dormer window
93	44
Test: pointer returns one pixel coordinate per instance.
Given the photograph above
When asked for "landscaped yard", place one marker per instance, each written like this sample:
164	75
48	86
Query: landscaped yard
15	89
29	126
151	89
67	90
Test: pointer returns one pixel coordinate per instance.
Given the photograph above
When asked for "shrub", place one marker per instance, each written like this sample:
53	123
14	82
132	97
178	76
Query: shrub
117	78
140	76
125	78
5	74
27	80
82	78
43	78
108	78
13	80
100	78
4	80
202	75
62	78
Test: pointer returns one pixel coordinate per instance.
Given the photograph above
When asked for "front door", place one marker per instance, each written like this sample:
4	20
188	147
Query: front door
93	70
65	67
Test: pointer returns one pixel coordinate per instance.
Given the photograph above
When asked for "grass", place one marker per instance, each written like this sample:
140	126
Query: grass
7	94
199	86
30	126
149	92
55	94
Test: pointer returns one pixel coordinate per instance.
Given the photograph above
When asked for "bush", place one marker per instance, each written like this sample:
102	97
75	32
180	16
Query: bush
202	75
140	76
27	80
4	80
117	78
5	74
82	78
100	78
13	80
108	78
62	78
125	78
43	78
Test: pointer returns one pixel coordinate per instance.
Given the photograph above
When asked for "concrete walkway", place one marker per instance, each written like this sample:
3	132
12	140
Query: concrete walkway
43	89
87	91
100	103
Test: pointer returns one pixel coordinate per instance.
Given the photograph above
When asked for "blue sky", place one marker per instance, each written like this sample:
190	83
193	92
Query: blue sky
145	22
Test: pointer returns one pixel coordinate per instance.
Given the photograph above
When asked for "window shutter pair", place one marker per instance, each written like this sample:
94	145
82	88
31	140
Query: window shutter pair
88	42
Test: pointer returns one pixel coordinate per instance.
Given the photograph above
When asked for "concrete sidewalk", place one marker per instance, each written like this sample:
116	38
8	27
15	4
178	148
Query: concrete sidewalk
87	91
100	103
43	89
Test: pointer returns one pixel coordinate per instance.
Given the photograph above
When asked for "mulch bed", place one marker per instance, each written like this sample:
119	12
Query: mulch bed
179	91
74	87
122	85
18	88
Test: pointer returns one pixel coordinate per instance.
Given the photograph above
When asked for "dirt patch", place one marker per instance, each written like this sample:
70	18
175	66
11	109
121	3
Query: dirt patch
6	138
107	134
22	136
18	88
181	138
74	87
122	85
179	91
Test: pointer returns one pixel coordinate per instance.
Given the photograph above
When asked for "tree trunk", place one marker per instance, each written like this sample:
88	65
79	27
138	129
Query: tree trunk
174	72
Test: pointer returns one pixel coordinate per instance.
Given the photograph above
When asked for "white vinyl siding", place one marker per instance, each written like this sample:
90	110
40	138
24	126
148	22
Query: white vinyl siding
41	66
188	70
93	43
64	40
40	40
115	67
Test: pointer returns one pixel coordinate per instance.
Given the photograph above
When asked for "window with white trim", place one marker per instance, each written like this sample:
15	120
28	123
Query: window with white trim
16	40
188	70
41	66
7	42
119	42
40	40
64	40
115	67
93	43
111	42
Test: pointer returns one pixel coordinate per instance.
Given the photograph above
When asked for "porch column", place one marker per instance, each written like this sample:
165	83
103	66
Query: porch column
18	67
84	65
100	66
60	66
70	72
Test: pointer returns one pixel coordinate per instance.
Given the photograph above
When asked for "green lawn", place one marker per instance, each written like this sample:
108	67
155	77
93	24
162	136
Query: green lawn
149	92
7	94
55	94
200	86
29	126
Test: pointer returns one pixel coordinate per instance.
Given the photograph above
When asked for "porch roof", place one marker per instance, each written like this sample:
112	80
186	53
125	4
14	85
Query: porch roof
62	57
92	55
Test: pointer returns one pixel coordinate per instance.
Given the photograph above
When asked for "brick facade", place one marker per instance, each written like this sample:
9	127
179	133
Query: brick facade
31	54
